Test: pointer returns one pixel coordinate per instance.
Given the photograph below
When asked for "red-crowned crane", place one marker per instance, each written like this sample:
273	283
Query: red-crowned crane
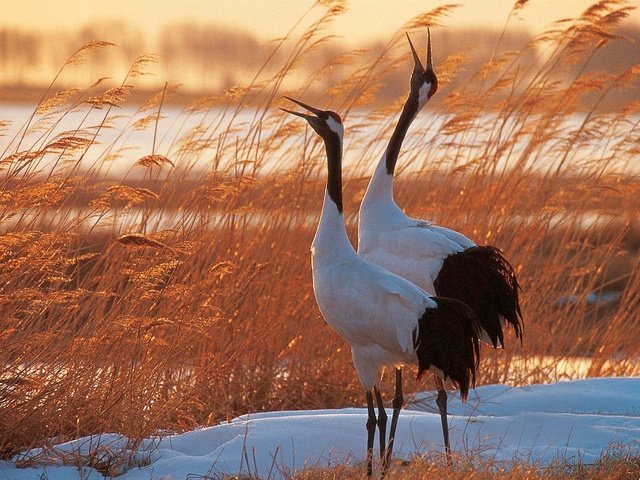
387	320
441	261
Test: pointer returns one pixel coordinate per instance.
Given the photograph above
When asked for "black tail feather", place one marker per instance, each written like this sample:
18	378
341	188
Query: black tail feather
448	339
483	279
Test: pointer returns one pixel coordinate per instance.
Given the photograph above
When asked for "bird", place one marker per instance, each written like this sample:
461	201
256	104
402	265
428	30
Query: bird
440	260
387	320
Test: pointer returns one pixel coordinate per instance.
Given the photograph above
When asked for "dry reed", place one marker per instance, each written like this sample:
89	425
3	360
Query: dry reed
618	463
177	293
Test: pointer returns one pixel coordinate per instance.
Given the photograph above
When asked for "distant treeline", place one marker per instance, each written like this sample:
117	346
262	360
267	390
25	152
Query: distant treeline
212	59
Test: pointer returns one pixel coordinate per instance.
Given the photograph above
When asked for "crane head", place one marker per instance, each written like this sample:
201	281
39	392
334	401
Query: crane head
424	82
325	122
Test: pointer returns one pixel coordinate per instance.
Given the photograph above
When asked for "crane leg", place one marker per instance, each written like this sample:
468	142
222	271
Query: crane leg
382	423
398	401
441	401
371	431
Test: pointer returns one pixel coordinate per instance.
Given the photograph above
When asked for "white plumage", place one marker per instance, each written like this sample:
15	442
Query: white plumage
403	249
376	311
438	259
417	249
387	236
387	320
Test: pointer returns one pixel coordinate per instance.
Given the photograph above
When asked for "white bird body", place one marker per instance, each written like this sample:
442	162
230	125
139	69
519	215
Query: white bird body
439	260
412	248
376	311
387	320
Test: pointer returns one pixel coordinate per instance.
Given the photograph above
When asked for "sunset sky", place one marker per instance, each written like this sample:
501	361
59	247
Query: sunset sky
191	50
365	19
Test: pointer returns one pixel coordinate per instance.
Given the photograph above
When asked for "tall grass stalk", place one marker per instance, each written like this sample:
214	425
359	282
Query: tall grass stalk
144	293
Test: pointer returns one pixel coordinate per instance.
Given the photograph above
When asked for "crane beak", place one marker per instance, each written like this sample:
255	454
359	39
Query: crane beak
308	118
314	121
416	59
429	64
317	111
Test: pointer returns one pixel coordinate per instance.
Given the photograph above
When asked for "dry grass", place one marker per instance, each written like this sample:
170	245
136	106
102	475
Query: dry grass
618	464
167	296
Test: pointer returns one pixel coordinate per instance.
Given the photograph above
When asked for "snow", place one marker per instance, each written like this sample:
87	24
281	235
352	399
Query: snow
575	420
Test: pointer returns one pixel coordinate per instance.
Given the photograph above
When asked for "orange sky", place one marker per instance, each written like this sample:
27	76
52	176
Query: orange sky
365	19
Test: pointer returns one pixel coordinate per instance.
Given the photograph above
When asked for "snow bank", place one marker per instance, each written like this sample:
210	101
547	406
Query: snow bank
576	421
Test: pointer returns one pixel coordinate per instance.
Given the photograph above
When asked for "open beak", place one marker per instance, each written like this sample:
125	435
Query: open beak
314	121
429	64
317	111
416	58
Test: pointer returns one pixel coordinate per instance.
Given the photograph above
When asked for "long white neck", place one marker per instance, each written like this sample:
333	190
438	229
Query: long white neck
378	204
331	240
379	194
